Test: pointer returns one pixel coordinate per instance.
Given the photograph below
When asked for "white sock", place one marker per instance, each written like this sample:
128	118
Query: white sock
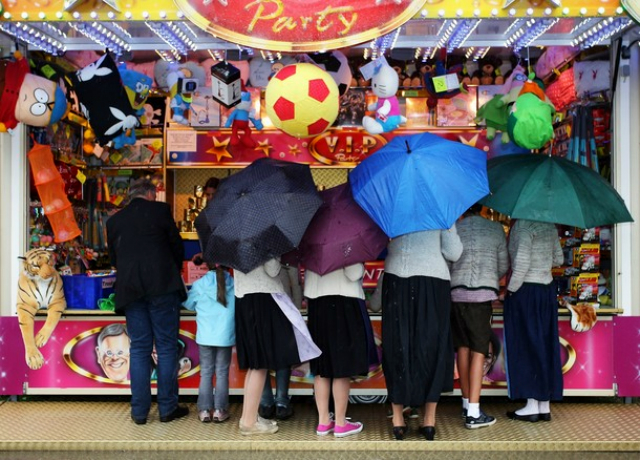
465	403
530	408
544	407
473	410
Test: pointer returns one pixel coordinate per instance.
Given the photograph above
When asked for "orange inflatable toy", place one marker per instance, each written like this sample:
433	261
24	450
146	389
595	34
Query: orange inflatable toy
50	186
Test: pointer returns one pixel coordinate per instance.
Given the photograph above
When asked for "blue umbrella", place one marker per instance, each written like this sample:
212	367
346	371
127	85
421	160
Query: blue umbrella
419	182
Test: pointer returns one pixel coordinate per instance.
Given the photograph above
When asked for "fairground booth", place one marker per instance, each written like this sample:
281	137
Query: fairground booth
95	94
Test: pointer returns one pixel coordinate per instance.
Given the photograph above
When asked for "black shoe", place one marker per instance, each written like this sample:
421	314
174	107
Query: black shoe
267	412
139	421
284	412
545	417
429	432
525	418
178	412
464	414
478	422
399	432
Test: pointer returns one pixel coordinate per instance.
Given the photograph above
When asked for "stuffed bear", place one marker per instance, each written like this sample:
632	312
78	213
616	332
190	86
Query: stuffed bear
384	84
487	73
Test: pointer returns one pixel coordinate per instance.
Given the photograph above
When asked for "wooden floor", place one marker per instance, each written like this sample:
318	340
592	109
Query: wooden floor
46	429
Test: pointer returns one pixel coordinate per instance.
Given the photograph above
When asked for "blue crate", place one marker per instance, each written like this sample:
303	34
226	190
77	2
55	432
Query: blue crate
83	292
191	248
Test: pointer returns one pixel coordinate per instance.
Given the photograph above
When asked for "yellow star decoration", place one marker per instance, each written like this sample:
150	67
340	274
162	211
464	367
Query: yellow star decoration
294	150
219	149
553	3
265	147
472	142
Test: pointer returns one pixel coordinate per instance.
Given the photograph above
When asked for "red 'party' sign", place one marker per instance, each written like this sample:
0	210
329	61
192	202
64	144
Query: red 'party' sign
299	25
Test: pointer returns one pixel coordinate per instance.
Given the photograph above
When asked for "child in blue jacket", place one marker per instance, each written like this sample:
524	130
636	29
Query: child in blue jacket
212	298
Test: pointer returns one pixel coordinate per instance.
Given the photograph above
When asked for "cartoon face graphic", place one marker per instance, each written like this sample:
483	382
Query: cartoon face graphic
113	356
137	86
41	102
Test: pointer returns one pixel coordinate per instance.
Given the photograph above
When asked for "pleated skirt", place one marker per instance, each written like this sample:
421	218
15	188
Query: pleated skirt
532	346
264	336
417	349
337	326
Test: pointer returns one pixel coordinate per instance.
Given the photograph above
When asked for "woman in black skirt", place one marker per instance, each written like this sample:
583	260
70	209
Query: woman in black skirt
264	339
337	327
532	347
417	351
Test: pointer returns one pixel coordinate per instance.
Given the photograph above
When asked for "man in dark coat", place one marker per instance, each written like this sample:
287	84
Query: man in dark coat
147	252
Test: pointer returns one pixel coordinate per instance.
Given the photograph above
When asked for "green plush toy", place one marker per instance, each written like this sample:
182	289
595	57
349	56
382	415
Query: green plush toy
530	123
495	114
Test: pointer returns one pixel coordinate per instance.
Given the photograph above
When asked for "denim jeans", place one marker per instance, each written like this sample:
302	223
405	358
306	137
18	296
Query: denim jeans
214	360
283	377
154	319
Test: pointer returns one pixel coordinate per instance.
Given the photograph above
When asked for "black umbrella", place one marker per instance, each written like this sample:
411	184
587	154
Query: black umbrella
259	213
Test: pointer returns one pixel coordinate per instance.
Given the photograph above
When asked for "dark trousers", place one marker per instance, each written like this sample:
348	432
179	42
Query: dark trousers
154	319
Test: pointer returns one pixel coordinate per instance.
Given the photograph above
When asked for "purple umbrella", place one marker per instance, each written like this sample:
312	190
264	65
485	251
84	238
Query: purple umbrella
340	234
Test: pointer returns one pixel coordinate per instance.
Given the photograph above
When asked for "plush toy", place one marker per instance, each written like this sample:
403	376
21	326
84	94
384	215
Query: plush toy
27	98
103	99
488	74
39	287
513	85
180	100
530	123
163	71
438	69
239	121
384	84
464	77
137	86
496	116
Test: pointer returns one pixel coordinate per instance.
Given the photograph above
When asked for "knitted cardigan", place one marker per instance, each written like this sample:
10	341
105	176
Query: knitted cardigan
423	253
484	259
534	249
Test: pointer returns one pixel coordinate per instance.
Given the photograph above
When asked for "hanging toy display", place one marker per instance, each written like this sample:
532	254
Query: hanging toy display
302	100
103	99
27	98
137	86
495	114
384	84
441	82
239	120
530	123
50	186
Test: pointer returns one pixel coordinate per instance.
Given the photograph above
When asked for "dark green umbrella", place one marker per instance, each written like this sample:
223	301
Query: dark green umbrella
552	189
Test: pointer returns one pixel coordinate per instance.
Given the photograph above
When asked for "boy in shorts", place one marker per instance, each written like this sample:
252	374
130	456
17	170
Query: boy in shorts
475	281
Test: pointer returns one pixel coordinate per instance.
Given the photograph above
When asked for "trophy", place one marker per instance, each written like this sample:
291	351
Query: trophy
195	204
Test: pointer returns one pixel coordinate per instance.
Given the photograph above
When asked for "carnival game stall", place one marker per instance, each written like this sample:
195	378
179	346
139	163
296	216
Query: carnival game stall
189	90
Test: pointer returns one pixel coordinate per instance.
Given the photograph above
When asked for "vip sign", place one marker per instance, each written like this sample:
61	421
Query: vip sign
290	25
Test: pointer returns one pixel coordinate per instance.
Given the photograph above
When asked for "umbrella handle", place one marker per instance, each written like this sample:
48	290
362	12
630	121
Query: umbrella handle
408	148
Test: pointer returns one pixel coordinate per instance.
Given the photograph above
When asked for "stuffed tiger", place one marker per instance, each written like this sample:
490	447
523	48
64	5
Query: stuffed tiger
39	287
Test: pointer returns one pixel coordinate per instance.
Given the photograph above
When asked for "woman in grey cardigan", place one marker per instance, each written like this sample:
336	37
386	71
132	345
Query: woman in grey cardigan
417	353
532	347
